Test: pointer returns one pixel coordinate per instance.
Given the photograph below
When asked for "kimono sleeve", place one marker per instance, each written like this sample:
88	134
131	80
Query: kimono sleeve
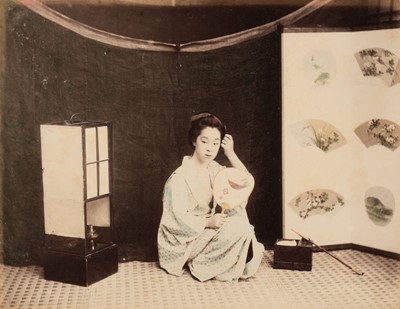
178	221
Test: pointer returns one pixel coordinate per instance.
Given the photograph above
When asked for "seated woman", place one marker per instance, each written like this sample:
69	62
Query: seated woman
213	245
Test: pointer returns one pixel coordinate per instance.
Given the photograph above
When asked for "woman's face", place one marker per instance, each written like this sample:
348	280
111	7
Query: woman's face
207	144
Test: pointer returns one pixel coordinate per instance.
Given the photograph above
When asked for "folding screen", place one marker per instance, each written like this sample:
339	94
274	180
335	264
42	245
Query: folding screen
341	134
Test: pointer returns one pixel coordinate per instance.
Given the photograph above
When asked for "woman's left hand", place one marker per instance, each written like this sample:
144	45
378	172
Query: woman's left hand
227	145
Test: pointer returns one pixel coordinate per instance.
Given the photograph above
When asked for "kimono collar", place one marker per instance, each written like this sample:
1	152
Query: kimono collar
186	171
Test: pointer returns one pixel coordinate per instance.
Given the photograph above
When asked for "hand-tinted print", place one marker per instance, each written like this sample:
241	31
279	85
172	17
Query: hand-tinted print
380	63
319	66
318	133
318	201
379	204
379	132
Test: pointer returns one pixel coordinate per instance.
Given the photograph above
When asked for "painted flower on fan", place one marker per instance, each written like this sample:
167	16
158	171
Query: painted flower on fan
383	132
378	62
318	133
372	57
316	201
370	69
324	140
390	140
373	123
388	127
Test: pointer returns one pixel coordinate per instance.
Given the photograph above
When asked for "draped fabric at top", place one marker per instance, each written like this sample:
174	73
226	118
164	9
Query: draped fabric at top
197	46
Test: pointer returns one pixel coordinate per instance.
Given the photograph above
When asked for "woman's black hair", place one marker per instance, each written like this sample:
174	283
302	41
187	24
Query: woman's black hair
203	120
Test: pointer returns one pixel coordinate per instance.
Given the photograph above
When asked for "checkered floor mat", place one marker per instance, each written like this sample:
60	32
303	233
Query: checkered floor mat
144	285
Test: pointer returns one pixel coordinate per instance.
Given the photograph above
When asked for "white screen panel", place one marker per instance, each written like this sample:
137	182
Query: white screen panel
98	212
91	145
103	142
62	163
104	178
64	217
91	180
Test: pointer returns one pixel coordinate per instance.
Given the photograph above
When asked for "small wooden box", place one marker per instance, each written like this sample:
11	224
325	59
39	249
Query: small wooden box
82	270
298	257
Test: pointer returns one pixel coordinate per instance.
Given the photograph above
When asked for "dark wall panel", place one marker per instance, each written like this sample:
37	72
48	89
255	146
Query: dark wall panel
52	73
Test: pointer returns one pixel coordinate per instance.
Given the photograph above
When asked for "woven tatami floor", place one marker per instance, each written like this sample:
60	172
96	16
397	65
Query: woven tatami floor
144	285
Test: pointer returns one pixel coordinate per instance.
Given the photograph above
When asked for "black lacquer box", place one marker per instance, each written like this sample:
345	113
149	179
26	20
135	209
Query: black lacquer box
293	254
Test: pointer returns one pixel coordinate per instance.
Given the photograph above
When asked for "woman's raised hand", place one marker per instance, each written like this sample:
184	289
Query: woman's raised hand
227	145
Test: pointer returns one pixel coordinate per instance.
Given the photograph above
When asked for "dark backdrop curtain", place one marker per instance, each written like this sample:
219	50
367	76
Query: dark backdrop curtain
52	73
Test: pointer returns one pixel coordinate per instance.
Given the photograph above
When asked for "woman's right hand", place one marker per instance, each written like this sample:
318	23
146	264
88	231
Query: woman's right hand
216	221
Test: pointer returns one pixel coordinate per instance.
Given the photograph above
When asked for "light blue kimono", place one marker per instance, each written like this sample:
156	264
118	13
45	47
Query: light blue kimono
183	237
